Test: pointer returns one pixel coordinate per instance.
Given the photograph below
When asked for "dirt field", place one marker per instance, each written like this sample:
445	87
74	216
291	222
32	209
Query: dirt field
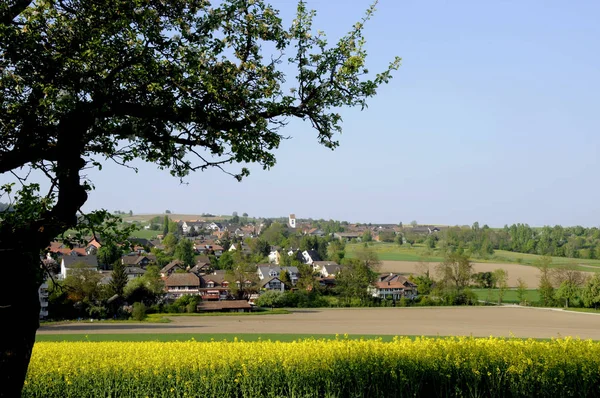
447	321
528	273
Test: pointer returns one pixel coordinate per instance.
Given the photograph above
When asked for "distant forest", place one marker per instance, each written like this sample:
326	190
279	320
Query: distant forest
574	242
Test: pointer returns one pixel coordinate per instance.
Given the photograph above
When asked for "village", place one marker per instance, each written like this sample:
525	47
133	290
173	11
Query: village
217	247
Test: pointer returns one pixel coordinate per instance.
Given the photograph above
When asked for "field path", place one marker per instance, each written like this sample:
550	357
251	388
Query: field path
501	321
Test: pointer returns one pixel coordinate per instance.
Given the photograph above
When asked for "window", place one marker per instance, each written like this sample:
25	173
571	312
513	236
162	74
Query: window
210	284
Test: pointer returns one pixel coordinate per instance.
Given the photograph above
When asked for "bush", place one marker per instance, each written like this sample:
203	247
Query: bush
139	311
271	299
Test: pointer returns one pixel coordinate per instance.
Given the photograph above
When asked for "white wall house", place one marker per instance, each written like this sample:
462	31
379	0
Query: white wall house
43	294
69	263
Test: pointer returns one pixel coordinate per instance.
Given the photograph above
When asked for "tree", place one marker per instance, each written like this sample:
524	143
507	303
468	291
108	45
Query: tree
413	223
357	274
570	281
306	278
260	247
500	276
245	215
243	280
484	280
354	279
274	234
139	311
184	251
148	288
270	298
186	85
422	278
284	277
108	254
455	271
367	236
545	287
591	292
170	243
174	228
162	258
167	211
82	284
166	225
521	290
118	279
568	291
368	259
226	260
130	213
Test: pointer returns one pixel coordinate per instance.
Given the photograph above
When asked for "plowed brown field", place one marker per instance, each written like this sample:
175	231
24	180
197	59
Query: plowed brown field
503	321
528	273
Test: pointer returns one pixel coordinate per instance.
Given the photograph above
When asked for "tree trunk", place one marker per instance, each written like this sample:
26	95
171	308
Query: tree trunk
19	311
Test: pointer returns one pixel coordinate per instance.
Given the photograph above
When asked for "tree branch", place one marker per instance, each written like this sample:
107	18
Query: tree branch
13	11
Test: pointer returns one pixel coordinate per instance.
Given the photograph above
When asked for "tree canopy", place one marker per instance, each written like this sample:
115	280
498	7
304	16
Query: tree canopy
184	84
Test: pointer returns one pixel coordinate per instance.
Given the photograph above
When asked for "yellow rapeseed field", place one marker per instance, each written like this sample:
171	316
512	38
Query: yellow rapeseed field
317	368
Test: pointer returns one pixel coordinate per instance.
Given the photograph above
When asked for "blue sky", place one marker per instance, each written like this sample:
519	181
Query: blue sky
493	117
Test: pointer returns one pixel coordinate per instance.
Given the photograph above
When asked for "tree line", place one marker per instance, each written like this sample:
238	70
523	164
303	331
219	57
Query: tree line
557	241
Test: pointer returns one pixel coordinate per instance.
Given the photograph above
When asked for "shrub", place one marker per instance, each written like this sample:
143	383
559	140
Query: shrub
139	311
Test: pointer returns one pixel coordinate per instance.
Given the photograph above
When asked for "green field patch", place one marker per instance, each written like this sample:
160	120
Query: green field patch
395	252
588	310
510	295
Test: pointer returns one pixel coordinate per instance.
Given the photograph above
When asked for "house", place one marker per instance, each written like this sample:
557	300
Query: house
393	286
95	243
141	242
347	236
134	272
424	229
326	268
272	283
206	249
69	263
43	295
137	261
214	286
202	266
172	267
266	271
224	306
215	226
181	284
193	226
274	255
328	282
309	256
60	249
314	232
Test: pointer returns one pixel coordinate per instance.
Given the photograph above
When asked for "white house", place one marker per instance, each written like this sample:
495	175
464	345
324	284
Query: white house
272	283
43	294
68	263
274	257
266	272
310	256
393	286
326	268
